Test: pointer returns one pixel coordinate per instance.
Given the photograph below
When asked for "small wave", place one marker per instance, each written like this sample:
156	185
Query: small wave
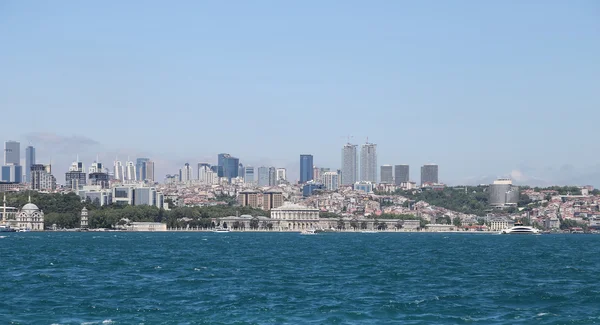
107	321
2	236
542	314
158	267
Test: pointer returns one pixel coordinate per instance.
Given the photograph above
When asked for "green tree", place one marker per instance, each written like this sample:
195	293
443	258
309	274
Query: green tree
341	224
457	222
363	225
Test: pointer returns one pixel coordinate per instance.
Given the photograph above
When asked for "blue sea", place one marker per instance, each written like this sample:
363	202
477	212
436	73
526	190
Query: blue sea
287	278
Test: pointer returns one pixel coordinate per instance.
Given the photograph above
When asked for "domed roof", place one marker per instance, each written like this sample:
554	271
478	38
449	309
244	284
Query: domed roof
30	206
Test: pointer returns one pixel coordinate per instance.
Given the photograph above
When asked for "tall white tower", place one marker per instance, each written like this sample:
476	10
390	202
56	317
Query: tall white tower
118	170
130	174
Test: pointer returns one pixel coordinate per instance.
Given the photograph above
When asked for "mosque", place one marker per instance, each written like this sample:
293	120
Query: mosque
28	218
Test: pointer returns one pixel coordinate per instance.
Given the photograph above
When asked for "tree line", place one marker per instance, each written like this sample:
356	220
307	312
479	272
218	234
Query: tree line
64	211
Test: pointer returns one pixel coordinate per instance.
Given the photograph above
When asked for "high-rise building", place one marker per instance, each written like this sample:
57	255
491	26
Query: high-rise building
249	175
130	174
401	174
502	193
272	198
118	171
75	178
185	173
306	168
12	153
29	161
429	174
281	175
141	168
97	175
228	166
12	173
387	174
368	163
316	174
349	164
95	167
149	171
272	176
241	171
331	180
263	176
41	178
202	168
206	175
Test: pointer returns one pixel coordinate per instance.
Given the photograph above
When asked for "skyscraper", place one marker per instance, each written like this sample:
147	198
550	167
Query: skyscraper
281	175
241	171
249	175
203	173
140	168
149	171
368	162
349	164
118	171
306	168
401	174
41	178
228	166
130	174
263	176
12	153
186	173
75	178
387	174
12	173
202	169
429	174
29	161
272	176
331	180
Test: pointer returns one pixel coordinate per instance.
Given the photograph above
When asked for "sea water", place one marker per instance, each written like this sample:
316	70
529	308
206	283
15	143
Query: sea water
287	278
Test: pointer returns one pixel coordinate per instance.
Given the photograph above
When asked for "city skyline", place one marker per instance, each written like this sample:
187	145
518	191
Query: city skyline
442	80
515	175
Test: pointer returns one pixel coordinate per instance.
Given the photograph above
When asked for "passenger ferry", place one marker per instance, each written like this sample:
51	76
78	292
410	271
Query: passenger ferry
519	229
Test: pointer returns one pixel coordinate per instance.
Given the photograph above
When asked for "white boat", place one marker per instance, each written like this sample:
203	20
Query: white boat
219	230
519	229
7	228
308	232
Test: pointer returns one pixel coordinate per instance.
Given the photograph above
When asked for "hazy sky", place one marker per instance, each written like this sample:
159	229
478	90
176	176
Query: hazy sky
483	88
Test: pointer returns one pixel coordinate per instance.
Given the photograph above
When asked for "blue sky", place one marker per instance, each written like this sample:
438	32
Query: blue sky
483	88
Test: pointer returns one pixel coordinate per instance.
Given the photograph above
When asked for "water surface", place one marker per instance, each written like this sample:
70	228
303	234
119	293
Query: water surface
286	278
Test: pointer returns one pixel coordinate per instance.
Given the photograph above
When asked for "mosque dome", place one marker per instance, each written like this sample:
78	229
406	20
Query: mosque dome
30	207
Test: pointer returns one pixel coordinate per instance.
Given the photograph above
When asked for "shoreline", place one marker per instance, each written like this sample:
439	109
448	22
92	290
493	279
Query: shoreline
299	232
